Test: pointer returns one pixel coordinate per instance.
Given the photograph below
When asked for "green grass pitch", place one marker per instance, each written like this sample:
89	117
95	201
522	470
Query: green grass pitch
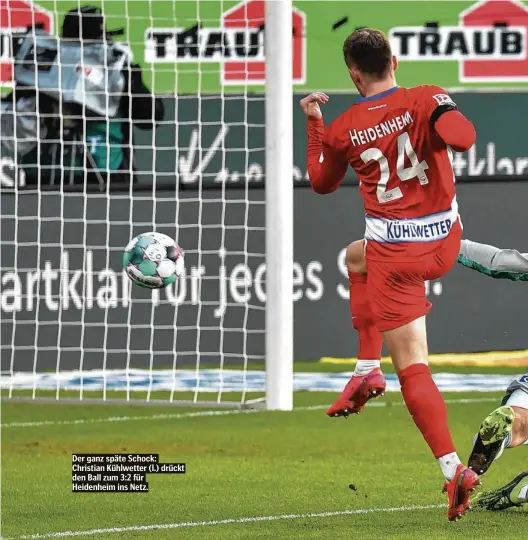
261	465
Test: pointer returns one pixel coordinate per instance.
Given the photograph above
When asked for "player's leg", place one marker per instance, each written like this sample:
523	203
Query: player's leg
407	345
370	340
519	435
505	427
399	305
517	398
367	380
515	493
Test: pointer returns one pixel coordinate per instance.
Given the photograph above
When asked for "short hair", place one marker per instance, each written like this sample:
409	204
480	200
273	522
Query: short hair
369	50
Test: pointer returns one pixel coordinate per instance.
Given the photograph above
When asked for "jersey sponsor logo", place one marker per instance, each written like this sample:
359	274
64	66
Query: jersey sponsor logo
238	44
401	231
16	17
364	136
424	229
490	42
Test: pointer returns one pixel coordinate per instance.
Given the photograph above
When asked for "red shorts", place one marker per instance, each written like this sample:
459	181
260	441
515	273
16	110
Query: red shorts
396	289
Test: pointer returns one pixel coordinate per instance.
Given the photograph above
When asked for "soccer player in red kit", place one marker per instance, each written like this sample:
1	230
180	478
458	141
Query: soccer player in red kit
398	141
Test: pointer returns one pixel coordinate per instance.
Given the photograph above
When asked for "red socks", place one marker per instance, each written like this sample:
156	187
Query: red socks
370	340
427	407
421	395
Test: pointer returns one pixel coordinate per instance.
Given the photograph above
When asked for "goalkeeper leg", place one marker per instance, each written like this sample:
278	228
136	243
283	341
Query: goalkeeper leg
515	493
505	427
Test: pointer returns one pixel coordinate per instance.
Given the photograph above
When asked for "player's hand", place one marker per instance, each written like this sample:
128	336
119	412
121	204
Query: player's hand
310	105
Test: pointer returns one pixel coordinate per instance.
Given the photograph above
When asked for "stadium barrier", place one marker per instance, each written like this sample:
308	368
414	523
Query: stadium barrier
79	303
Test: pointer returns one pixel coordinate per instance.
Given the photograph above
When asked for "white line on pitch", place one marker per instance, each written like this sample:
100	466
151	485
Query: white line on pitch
128	418
198	414
230	521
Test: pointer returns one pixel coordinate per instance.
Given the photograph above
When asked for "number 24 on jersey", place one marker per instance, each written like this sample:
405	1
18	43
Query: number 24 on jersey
416	170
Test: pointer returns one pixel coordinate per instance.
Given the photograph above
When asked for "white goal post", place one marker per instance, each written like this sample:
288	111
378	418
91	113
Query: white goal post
279	206
74	329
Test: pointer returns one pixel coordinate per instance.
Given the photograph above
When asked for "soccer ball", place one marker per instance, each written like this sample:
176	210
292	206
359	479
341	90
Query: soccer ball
153	260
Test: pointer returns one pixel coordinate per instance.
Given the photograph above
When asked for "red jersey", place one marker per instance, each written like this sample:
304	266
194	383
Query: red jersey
403	165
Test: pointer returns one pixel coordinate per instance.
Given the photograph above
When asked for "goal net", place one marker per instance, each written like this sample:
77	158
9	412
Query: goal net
76	188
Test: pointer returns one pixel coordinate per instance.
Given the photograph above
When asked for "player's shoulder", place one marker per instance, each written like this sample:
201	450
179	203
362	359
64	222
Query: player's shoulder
431	97
425	91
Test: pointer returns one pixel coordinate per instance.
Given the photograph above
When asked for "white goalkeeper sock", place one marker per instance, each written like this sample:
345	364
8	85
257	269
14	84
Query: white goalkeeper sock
449	464
507	441
366	366
523	495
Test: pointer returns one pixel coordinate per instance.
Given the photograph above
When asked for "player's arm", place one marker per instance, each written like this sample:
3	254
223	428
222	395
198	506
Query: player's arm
451	125
326	166
494	262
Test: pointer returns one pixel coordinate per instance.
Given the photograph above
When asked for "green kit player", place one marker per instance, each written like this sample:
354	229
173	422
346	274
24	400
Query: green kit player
506	426
494	262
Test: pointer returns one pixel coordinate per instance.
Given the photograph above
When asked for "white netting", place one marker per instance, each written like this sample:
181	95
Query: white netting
67	307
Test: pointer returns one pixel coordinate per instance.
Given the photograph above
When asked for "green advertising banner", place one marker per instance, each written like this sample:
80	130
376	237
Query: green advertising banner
189	46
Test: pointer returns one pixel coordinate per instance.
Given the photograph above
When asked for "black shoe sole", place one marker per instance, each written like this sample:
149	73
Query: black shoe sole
483	455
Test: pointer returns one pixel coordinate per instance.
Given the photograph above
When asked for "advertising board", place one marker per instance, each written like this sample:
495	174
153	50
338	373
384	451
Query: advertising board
191	46
66	274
